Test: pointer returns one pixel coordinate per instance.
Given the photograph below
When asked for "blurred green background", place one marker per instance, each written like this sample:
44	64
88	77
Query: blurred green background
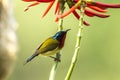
99	57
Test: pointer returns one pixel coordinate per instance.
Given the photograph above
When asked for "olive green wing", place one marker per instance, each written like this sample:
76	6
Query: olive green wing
48	45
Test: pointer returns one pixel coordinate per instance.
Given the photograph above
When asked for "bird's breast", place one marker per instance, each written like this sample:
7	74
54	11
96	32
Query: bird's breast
49	53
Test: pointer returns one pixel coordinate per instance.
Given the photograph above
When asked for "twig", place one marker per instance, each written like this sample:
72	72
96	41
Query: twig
60	27
77	47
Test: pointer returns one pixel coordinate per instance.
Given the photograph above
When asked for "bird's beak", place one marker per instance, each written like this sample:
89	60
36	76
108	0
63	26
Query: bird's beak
67	30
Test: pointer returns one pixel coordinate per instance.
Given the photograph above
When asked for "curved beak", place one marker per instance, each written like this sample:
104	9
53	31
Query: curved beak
67	30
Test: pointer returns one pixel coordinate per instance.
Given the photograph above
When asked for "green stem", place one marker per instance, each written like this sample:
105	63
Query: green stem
78	42
53	71
60	27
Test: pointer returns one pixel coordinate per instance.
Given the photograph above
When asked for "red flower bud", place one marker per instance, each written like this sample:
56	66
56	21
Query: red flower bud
38	0
57	8
29	0
97	8
48	8
92	14
31	5
104	5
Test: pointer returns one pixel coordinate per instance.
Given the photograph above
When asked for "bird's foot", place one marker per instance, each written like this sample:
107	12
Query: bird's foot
55	59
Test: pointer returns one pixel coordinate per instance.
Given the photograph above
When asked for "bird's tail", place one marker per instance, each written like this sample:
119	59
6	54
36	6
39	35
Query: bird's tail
30	58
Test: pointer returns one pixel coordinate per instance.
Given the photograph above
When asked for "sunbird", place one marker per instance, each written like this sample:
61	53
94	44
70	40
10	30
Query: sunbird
50	46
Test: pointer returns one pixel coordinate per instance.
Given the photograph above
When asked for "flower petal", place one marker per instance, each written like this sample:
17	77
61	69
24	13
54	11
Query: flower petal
45	0
97	8
92	14
37	0
48	8
57	7
67	13
105	5
29	0
31	5
56	19
86	23
78	16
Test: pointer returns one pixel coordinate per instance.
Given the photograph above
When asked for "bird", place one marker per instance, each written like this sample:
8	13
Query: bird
50	46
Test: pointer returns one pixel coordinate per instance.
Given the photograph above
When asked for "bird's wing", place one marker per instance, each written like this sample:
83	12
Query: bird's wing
48	45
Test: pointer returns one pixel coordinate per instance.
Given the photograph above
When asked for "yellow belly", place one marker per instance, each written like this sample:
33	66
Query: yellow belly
49	53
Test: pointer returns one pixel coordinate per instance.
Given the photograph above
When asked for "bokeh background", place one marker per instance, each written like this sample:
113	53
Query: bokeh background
99	56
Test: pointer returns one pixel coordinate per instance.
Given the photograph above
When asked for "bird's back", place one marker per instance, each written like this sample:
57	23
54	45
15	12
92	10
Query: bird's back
48	46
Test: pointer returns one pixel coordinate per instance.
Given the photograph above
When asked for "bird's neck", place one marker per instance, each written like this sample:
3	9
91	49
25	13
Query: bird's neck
62	41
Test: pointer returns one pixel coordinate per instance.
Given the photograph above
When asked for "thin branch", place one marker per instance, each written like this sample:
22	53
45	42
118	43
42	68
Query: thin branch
60	27
78	42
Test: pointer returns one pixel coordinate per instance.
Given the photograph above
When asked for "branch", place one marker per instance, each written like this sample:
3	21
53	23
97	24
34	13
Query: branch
60	27
78	42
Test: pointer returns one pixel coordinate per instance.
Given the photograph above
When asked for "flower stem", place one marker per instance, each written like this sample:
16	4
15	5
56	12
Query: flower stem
54	68
60	27
78	42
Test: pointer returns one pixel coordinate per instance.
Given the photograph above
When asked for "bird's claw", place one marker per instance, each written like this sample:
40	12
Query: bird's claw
56	59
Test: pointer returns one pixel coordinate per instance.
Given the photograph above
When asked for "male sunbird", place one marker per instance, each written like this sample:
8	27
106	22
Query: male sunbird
50	46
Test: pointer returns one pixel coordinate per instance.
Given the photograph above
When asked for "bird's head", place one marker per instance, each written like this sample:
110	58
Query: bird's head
60	35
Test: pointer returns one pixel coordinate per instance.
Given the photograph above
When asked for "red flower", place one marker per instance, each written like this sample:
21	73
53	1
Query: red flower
92	8
36	2
98	8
